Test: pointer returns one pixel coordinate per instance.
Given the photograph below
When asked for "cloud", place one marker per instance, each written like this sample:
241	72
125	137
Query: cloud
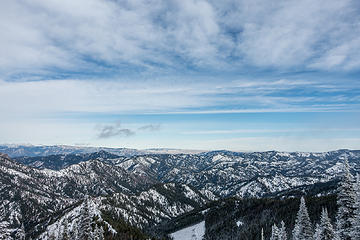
57	38
116	129
47	99
250	131
150	127
291	34
113	130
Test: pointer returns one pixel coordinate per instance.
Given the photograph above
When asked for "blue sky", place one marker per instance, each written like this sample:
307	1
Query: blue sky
199	74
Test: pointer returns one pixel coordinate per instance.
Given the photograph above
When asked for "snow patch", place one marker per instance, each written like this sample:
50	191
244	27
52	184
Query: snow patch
195	232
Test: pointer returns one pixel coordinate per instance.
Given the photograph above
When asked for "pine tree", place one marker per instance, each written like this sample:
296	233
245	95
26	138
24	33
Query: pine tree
85	227
326	229
356	219
274	233
317	232
99	233
66	230
303	228
282	232
346	203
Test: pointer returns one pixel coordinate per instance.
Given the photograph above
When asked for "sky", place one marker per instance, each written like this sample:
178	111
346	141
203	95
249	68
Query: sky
193	74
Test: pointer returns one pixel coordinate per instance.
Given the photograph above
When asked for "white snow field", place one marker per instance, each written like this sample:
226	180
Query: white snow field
194	232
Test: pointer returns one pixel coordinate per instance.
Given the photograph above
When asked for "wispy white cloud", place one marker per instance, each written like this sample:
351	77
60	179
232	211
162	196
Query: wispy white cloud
292	130
52	37
56	97
103	57
150	127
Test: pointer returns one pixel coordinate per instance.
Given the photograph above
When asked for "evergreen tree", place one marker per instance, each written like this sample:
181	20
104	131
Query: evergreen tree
317	232
356	220
85	227
303	228
101	233
346	203
274	233
326	229
65	230
282	232
98	233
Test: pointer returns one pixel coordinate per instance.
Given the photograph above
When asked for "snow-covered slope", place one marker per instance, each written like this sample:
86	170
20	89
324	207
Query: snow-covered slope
30	196
242	174
75	222
60	161
223	173
159	203
140	211
34	199
195	232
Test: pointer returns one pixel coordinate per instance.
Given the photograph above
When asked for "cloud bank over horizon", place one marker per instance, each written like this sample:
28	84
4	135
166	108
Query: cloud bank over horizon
164	68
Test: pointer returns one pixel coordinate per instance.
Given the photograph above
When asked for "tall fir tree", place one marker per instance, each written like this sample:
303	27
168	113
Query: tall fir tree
282	231
303	228
274	233
356	220
346	204
326	230
317	231
85	231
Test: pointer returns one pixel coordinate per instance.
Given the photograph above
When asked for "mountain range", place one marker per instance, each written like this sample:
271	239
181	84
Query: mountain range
15	150
150	195
223	173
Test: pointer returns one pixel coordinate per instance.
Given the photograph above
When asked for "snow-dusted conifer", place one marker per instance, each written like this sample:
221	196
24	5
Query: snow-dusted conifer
356	220
303	228
274	233
317	232
282	232
98	233
101	233
346	204
85	227
65	235
326	230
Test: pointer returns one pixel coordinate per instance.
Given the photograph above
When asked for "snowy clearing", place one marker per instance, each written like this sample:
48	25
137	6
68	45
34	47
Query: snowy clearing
194	232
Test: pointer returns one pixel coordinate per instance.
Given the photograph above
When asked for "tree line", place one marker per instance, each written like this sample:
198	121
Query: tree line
347	223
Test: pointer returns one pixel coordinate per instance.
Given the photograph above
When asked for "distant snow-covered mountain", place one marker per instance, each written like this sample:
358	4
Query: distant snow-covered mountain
34	201
32	150
143	194
223	173
14	150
